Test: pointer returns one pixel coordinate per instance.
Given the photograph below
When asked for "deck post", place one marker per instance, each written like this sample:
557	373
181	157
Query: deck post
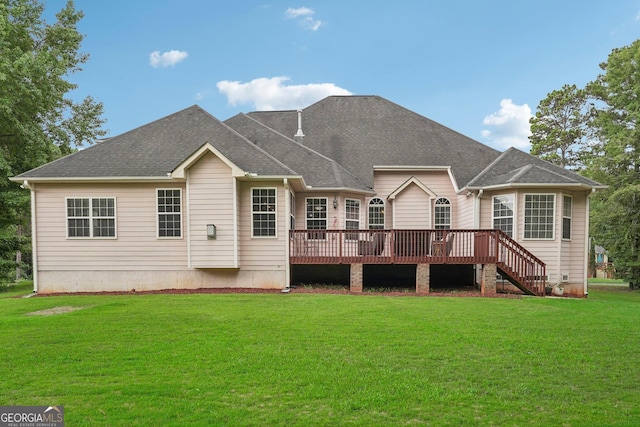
355	279
488	285
422	278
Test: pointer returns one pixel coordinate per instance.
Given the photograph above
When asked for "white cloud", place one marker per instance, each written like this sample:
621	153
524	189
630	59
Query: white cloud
301	11
510	126
268	94
166	59
304	15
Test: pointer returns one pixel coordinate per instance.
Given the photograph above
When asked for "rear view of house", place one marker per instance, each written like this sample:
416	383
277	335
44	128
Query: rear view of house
356	185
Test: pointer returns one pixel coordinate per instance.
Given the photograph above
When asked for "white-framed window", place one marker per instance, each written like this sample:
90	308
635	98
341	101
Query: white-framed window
263	212
567	209
169	212
539	216
316	211
91	217
376	214
442	214
503	208
352	217
292	213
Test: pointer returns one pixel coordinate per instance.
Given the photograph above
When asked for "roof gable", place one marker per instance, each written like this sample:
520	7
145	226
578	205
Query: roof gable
517	168
412	181
158	148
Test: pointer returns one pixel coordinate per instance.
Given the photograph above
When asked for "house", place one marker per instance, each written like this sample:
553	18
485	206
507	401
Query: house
352	186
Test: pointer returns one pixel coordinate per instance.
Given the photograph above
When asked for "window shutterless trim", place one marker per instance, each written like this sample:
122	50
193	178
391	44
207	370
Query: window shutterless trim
274	212
179	214
553	218
567	217
91	218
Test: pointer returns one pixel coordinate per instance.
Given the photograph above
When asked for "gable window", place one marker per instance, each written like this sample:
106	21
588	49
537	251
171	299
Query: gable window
352	218
567	207
263	212
91	217
503	213
376	214
442	214
169	205
538	216
316	217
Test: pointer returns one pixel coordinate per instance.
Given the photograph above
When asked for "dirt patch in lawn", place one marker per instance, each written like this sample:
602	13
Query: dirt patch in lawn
55	310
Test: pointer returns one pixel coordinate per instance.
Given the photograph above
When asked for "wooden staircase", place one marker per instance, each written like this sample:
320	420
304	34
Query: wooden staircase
519	266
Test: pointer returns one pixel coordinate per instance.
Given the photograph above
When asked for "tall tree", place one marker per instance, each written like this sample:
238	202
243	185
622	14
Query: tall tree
38	122
614	159
559	128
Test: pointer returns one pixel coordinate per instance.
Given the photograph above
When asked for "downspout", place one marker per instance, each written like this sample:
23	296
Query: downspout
287	227
34	242
586	242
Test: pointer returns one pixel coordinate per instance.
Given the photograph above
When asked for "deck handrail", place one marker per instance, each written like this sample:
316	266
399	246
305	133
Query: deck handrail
429	246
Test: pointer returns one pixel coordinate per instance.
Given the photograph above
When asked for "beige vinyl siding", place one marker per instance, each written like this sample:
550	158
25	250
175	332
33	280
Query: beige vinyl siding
465	211
439	182
211	201
412	209
263	253
561	256
572	253
136	246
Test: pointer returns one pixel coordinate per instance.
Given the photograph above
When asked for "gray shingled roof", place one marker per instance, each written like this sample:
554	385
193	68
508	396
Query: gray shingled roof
345	137
359	132
319	171
155	149
515	167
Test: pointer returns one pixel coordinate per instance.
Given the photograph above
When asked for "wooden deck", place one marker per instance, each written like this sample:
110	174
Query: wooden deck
513	261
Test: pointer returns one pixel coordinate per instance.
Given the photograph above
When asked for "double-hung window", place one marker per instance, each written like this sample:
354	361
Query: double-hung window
91	217
567	207
263	212
169	202
539	216
442	214
316	217
503	213
376	214
352	217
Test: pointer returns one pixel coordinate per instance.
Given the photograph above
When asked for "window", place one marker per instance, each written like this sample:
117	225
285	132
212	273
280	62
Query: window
567	206
169	212
376	214
503	213
292	214
352	218
538	216
442	214
91	217
316	217
263	212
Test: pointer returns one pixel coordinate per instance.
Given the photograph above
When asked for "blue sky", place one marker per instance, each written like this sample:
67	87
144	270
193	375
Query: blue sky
478	67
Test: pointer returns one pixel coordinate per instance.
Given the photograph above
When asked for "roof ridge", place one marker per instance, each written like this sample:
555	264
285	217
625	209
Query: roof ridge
311	150
488	167
247	141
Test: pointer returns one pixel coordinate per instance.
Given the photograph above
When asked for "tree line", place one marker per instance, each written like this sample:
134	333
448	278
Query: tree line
595	131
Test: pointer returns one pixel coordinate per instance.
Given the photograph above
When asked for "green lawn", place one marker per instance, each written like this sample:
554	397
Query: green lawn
308	359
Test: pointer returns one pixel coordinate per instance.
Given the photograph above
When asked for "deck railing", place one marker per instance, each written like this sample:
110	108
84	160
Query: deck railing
420	246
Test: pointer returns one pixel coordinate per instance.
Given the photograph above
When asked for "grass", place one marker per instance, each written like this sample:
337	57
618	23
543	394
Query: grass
311	359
